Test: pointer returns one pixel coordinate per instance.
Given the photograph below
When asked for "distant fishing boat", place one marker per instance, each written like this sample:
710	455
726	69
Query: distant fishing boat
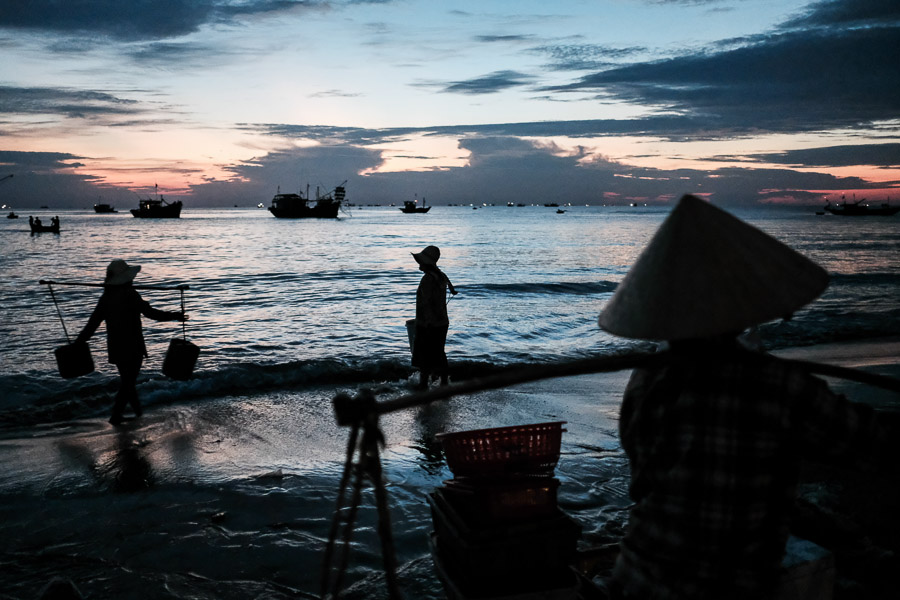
157	209
297	206
12	215
104	208
412	206
859	209
38	227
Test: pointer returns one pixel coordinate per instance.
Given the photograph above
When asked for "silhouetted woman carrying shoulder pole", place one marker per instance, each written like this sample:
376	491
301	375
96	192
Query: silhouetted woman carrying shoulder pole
432	322
121	306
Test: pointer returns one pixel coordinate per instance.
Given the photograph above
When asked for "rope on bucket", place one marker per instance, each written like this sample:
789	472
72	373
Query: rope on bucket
183	332
59	312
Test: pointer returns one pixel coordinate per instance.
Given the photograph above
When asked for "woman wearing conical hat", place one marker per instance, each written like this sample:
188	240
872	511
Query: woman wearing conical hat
121	306
715	437
432	321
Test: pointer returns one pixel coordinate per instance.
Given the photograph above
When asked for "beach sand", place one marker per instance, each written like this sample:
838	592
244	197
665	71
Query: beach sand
232	497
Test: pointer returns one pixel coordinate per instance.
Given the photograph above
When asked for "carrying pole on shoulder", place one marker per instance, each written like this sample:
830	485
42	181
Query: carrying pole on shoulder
181	286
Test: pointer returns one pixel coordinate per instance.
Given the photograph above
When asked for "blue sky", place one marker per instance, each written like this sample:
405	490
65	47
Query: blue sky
220	102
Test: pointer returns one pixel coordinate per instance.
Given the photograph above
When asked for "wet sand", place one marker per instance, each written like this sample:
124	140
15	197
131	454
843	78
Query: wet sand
232	498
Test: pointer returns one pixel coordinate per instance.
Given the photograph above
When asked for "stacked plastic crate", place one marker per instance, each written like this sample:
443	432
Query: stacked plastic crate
498	531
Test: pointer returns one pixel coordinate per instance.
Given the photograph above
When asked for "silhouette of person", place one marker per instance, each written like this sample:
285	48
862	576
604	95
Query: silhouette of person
37	222
715	436
54	222
121	306
432	321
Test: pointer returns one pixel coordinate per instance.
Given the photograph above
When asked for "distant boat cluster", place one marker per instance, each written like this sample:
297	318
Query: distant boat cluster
327	206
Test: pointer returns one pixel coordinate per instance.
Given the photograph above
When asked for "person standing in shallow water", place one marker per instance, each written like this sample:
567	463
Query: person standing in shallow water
716	435
121	306
432	321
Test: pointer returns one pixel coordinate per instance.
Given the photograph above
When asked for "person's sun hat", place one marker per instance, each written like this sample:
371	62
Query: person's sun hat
707	273
428	257
119	272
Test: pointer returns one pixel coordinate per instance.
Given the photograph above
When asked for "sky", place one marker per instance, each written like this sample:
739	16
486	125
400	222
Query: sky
225	102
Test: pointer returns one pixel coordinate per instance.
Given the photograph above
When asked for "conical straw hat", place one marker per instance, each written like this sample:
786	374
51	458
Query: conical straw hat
705	273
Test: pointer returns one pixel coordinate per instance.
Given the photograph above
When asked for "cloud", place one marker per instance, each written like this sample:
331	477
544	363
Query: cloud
50	178
580	57
671	126
844	13
134	20
333	94
490	39
504	169
487	84
258	179
790	82
72	103
171	54
877	155
38	161
500	169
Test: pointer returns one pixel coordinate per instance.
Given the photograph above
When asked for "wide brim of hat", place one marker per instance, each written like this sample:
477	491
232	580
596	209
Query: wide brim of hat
707	273
126	276
423	259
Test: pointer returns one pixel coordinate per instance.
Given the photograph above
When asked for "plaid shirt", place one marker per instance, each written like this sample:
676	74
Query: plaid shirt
715	442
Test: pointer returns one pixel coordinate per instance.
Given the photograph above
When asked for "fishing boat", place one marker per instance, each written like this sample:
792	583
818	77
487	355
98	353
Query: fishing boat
298	206
104	208
38	227
860	209
157	208
12	215
412	206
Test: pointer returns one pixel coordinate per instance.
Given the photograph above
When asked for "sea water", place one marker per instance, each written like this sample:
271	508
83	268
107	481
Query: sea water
289	312
280	302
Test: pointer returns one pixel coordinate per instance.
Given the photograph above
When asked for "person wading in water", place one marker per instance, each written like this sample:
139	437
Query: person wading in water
121	306
432	321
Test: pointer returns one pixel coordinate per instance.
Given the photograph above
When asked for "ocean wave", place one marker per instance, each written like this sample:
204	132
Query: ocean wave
33	397
562	288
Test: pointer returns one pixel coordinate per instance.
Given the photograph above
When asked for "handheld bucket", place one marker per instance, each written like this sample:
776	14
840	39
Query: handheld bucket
411	333
74	360
181	357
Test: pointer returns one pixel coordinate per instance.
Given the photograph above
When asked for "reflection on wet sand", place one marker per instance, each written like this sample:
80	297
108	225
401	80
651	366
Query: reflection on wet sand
125	468
431	420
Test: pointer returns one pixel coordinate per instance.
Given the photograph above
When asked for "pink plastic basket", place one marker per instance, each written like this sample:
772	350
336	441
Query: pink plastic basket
517	451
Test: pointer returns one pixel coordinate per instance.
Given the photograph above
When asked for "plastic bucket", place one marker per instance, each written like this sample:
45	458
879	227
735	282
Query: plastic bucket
74	360
411	333
180	359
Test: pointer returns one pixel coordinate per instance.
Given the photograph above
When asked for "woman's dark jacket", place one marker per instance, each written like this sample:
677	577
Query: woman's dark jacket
121	306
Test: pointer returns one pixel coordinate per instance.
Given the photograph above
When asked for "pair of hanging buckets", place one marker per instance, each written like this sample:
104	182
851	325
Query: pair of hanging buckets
74	360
